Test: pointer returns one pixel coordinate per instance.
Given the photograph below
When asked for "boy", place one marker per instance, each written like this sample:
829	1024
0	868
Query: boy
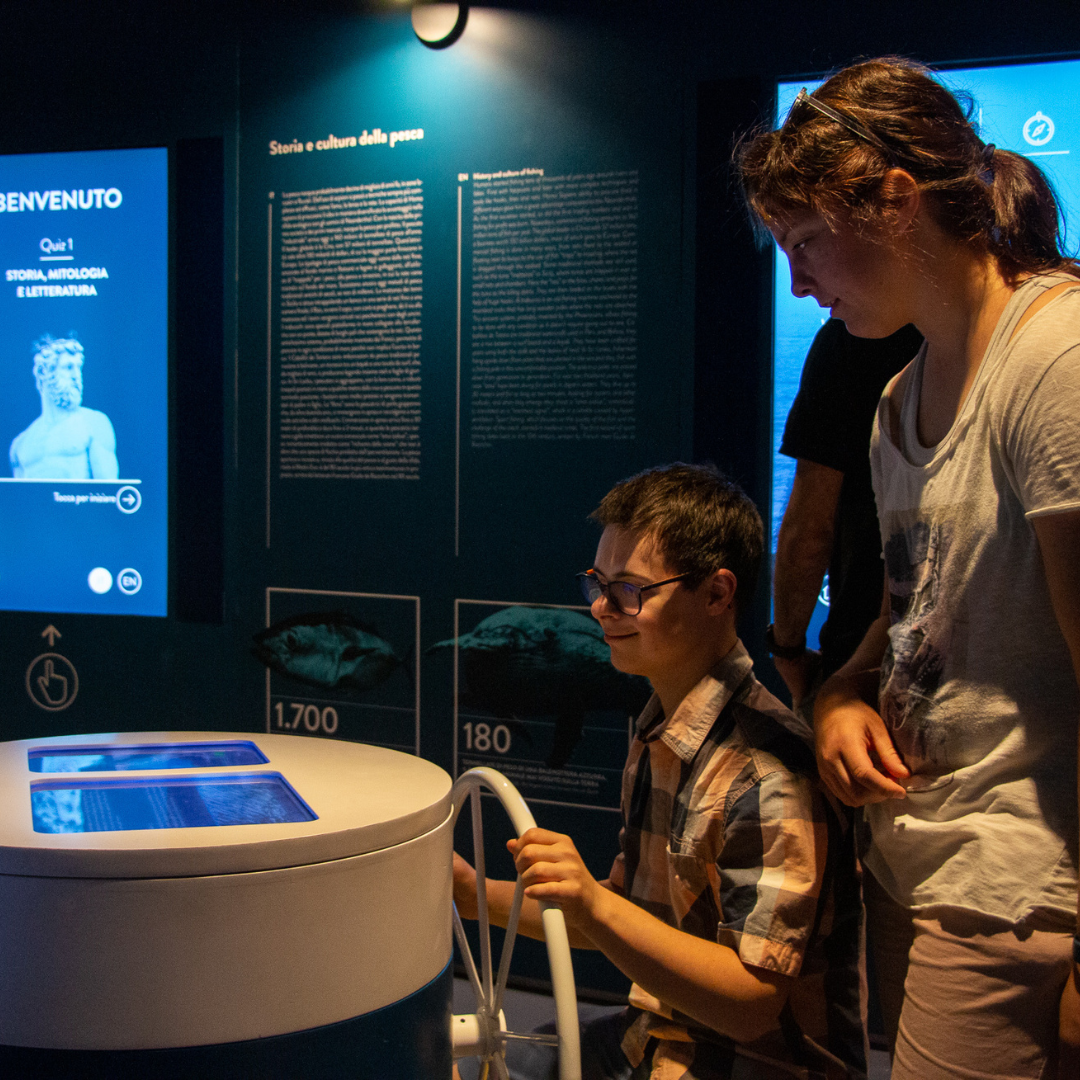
733	903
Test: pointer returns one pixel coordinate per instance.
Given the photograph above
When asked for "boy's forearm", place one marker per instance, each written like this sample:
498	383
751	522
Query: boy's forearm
500	897
703	979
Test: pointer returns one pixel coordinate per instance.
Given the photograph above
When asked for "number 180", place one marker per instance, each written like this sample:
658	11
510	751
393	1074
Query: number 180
481	737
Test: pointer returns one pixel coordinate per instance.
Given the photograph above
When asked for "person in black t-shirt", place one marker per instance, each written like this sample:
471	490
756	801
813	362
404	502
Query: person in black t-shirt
830	522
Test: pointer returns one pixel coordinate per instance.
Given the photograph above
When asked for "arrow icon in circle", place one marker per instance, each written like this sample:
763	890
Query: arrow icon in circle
51	633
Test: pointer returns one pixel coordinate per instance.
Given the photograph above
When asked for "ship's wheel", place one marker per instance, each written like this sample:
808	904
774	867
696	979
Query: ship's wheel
484	1034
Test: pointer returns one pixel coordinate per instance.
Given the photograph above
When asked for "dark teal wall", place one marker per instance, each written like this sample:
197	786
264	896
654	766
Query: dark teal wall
74	76
658	88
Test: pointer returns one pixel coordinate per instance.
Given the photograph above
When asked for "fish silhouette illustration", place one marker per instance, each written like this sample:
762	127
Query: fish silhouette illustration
332	649
526	661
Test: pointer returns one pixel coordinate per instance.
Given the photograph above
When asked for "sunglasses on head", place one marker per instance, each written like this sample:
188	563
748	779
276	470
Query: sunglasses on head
849	122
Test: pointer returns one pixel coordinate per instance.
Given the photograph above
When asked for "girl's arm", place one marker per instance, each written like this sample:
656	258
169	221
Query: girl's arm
856	756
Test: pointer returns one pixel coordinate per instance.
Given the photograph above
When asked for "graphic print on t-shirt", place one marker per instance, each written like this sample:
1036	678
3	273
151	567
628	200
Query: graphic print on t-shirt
914	662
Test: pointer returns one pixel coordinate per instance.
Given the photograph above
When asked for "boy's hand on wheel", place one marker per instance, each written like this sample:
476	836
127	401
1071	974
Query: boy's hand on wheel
554	872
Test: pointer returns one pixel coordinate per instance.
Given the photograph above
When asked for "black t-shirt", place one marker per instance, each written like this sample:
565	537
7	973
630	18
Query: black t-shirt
830	424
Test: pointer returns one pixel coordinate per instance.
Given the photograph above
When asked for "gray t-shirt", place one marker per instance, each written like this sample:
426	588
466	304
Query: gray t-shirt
977	686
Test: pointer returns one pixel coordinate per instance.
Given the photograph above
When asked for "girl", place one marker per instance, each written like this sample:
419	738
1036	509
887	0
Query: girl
891	210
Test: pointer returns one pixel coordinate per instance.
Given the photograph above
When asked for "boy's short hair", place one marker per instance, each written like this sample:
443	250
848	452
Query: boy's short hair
700	521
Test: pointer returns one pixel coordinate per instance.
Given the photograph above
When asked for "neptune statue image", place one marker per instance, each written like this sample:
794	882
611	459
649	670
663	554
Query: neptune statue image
67	441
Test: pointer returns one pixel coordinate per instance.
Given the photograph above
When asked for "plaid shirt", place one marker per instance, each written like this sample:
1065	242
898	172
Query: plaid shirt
727	835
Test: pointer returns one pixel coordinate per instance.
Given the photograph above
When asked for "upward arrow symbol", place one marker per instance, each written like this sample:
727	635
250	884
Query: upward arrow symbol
51	633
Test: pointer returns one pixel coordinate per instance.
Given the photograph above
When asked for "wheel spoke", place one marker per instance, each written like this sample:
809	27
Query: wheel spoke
467	959
481	896
508	945
532	1037
500	1066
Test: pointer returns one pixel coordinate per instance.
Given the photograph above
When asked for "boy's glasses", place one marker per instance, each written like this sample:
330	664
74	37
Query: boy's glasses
849	122
624	596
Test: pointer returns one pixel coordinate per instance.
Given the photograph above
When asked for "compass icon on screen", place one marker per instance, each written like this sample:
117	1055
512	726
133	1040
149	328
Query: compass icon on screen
1038	129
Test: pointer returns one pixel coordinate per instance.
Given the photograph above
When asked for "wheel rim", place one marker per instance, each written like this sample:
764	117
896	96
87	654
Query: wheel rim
485	1034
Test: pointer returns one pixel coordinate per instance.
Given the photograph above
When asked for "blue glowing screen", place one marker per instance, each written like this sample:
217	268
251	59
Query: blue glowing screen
183	802
208	755
1032	109
84	382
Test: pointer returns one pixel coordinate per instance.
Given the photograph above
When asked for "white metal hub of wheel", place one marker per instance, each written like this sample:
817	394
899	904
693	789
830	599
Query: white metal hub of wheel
484	1034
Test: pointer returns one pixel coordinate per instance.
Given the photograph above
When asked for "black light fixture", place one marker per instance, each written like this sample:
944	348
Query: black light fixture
439	25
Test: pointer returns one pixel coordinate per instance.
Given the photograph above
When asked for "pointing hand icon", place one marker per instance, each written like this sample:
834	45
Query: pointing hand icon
49	680
52	681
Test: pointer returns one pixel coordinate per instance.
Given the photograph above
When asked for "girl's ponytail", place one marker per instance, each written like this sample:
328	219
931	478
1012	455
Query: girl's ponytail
1025	235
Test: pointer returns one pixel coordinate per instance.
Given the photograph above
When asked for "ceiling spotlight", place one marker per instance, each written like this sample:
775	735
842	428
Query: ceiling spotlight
439	25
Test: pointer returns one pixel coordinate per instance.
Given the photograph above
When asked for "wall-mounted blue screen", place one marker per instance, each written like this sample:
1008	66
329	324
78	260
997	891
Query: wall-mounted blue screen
1032	109
184	802
112	758
84	382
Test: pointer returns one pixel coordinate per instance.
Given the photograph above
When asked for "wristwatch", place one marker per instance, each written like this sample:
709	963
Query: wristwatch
785	652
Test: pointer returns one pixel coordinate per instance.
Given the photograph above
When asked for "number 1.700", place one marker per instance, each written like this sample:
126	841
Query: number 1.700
310	716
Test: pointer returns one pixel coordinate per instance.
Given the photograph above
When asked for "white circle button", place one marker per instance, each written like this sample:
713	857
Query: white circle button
129	581
100	580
